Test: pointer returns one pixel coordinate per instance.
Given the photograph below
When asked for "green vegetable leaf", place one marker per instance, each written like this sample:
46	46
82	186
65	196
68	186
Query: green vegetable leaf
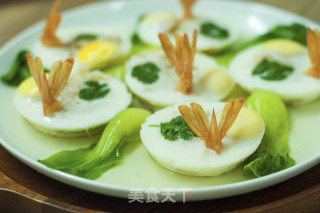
94	90
214	31
18	71
271	70
146	73
135	39
268	164
176	128
274	148
85	37
296	32
91	162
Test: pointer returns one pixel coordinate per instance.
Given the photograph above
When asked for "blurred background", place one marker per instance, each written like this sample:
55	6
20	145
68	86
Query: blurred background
17	15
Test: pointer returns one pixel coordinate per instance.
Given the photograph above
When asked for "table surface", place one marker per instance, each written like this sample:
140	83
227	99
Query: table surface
23	188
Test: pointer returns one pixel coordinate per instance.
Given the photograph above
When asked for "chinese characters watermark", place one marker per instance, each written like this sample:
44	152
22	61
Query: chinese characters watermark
153	195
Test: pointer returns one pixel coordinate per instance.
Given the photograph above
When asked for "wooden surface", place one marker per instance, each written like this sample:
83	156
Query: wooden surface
24	190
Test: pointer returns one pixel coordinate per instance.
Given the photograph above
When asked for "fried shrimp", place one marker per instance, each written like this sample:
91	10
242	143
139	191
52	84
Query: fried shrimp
49	37
50	88
211	134
181	57
313	42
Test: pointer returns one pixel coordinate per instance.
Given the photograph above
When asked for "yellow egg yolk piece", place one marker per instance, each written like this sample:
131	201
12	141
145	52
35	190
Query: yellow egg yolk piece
28	88
97	53
284	47
247	125
218	81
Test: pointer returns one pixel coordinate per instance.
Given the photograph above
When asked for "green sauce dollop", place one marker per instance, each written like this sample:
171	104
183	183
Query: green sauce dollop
272	71
146	73
94	90
214	31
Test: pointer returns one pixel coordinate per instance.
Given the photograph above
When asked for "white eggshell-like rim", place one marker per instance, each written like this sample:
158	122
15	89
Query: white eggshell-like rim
192	157
163	91
204	43
297	87
90	115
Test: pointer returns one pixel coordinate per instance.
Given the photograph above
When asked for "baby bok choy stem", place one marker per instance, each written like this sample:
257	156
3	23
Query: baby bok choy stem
273	153
93	161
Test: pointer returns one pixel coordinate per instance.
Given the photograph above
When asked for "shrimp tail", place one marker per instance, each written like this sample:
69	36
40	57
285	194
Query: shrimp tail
49	90
313	43
49	37
212	135
181	57
187	8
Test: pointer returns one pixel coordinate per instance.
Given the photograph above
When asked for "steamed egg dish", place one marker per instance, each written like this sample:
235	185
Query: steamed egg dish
277	65
176	74
92	47
80	106
92	50
175	146
210	81
214	33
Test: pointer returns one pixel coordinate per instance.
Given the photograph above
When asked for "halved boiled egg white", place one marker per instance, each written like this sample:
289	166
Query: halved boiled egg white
79	117
104	48
191	157
211	82
164	22
296	88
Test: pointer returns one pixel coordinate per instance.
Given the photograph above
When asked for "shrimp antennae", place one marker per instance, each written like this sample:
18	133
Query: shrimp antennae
50	89
181	58
198	122
49	37
187	8
313	43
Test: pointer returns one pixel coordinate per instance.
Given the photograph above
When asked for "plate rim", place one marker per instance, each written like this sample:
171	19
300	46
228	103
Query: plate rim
120	191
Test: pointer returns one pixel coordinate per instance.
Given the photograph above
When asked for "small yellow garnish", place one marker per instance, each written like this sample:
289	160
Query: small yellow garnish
218	81
97	53
247	125
284	47
28	88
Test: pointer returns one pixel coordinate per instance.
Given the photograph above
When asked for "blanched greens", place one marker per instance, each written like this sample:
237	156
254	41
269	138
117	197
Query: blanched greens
273	153
93	161
85	37
19	70
295	31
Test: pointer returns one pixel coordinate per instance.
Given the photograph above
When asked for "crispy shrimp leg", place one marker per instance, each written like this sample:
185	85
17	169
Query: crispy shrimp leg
50	89
187	8
198	122
181	58
49	37
313	42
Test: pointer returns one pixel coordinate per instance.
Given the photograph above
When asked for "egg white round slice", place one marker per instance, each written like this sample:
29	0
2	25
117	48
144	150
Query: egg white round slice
164	22
49	55
211	82
192	157
79	117
296	88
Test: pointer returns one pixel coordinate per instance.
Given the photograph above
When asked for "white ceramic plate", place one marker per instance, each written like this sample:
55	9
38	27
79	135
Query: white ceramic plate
139	172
